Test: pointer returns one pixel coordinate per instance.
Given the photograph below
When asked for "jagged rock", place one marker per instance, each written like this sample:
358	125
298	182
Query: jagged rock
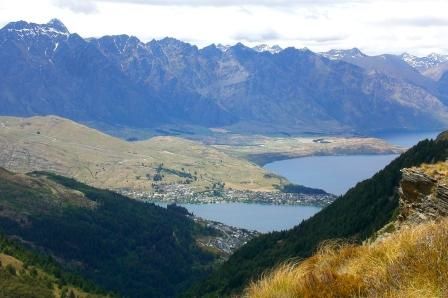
422	197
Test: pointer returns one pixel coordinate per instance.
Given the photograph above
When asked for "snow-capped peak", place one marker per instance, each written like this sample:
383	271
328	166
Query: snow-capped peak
438	57
339	54
58	26
424	63
266	48
54	28
223	48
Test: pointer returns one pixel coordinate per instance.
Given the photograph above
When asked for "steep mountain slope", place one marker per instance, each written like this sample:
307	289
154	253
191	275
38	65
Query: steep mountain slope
133	248
47	70
291	90
25	274
432	66
391	65
355	216
438	71
410	263
404	261
121	80
442	85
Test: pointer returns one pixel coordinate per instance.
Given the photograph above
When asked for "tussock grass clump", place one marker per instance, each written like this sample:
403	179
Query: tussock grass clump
438	171
411	263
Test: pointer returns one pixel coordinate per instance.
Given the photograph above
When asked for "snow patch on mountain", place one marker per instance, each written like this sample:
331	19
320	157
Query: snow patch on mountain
424	63
52	29
266	48
340	54
223	48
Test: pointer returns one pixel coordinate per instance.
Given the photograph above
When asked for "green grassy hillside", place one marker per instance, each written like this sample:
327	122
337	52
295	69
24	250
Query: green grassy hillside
358	214
132	248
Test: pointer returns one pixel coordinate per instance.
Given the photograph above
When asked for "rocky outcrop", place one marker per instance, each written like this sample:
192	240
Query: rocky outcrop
422	197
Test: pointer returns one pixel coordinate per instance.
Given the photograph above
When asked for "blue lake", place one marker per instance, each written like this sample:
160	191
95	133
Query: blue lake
259	217
335	174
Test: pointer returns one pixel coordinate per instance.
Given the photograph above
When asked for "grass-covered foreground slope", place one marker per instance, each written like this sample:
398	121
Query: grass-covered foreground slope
25	274
410	263
132	248
356	215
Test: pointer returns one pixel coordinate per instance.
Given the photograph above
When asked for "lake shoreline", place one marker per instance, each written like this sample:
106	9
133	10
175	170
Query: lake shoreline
334	174
338	172
264	159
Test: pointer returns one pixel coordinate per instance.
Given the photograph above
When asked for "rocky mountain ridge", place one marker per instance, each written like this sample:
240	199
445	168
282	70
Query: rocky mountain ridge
426	63
120	80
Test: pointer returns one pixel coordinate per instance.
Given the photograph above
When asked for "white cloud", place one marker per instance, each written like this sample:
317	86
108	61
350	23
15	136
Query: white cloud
258	36
267	3
77	6
420	21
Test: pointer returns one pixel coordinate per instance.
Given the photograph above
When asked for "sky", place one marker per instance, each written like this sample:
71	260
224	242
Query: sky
418	27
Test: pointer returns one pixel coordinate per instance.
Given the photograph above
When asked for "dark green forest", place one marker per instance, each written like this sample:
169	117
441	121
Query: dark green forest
353	217
39	275
129	247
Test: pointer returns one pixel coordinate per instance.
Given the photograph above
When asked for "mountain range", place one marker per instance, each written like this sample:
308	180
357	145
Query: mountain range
120	80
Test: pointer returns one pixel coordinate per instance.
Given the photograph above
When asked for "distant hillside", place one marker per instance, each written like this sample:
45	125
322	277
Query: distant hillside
120	80
68	148
355	216
125	246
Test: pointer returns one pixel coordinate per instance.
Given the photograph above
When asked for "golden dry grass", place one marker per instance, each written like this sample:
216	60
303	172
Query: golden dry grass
438	171
71	149
410	263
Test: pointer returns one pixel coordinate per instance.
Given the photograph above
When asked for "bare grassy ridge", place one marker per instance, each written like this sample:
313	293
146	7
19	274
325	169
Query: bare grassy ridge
70	149
411	263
